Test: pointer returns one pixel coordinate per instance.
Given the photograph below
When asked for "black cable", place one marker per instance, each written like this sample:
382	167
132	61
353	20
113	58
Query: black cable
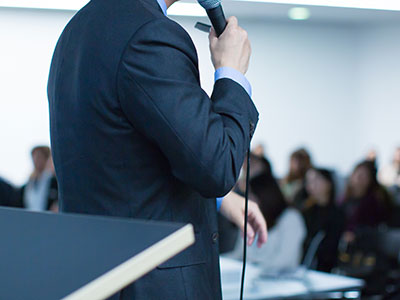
246	205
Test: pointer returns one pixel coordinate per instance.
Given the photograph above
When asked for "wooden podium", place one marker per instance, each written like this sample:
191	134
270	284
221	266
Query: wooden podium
50	256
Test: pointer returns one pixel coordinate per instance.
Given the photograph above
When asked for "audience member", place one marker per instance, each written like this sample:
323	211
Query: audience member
256	168
366	202
9	195
293	183
322	215
40	192
309	190
389	175
287	231
372	156
259	150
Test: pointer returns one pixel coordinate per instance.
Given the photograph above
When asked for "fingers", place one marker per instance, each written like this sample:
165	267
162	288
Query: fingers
233	207
232	21
262	237
231	48
260	229
250	232
258	224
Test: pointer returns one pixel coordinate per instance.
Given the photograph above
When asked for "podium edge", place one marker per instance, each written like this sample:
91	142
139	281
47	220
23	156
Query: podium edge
135	267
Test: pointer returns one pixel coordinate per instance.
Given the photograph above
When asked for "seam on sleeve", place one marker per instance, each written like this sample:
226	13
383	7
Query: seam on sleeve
121	59
174	132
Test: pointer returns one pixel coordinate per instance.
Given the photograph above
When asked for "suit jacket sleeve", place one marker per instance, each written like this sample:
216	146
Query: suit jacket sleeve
205	140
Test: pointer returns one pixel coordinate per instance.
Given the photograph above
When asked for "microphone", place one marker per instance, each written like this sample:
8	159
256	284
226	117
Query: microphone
215	14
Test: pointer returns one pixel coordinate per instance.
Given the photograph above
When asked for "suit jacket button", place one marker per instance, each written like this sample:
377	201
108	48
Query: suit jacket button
214	237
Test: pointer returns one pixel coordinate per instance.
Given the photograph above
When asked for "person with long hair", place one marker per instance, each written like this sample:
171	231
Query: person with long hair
287	231
322	215
366	202
300	163
389	175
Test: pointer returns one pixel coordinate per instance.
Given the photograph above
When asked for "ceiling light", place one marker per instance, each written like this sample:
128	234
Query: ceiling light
299	13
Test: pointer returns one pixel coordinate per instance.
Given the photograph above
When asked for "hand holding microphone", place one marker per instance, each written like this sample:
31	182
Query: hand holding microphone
215	14
232	48
229	44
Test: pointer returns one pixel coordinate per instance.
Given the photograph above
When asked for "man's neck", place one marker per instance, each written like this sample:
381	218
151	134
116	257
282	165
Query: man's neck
170	2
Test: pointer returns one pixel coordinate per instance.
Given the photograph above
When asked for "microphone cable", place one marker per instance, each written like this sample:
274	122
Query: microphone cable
246	208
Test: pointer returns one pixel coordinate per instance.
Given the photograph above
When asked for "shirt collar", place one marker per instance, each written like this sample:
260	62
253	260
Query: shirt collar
163	6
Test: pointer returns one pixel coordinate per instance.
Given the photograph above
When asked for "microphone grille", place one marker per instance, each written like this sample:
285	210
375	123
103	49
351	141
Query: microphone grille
209	4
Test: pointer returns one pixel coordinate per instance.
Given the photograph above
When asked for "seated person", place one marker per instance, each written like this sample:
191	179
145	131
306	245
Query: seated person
40	193
389	176
300	162
322	215
366	203
9	196
283	250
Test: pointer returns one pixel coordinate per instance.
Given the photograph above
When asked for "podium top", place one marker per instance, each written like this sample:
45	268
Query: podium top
51	256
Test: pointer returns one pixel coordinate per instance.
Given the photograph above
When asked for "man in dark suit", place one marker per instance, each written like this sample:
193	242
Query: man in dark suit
134	135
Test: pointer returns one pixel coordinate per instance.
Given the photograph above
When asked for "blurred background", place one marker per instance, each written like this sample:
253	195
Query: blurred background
326	82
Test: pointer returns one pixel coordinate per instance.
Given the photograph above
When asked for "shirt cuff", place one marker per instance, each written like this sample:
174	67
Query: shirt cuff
219	202
235	75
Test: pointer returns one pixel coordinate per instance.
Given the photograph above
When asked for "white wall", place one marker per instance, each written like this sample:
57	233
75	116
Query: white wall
312	86
379	88
28	39
307	88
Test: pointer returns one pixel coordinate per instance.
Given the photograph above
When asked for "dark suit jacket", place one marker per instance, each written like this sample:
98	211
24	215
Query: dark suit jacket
9	195
134	135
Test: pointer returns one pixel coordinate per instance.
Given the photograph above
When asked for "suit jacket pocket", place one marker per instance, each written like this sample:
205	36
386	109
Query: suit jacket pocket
193	255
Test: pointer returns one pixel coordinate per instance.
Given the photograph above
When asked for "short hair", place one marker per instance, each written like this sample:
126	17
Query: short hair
45	150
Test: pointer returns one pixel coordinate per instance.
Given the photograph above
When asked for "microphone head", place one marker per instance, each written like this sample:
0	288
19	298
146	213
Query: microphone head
209	4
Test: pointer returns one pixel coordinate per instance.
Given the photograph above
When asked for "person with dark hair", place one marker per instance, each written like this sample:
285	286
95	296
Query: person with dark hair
322	216
372	156
366	203
286	226
389	176
300	162
40	192
259	150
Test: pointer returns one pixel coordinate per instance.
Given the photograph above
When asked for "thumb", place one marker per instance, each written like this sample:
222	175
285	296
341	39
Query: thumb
232	21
